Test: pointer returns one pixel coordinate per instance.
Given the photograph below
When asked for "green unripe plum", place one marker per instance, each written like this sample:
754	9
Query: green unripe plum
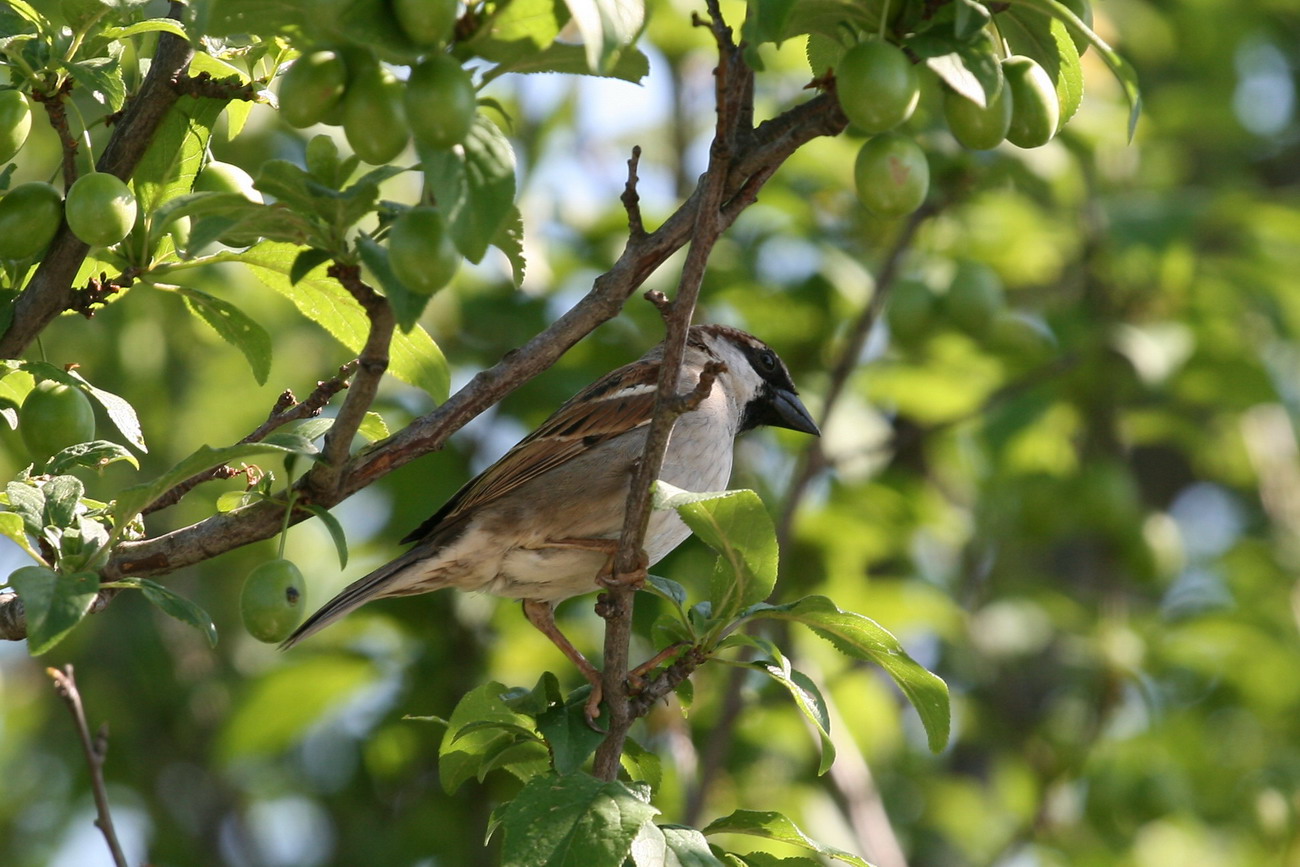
312	87
891	175
877	86
15	123
1035	110
272	601
421	252
909	311
426	22
219	177
30	214
974	297
101	209
978	128
440	102
54	416
372	115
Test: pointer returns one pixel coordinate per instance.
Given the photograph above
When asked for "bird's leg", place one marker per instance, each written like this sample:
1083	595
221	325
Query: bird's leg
542	615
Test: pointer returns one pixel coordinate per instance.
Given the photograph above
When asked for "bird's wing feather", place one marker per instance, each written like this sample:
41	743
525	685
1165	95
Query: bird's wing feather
616	404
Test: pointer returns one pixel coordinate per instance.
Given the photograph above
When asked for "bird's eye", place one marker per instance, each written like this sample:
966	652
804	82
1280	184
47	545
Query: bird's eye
767	360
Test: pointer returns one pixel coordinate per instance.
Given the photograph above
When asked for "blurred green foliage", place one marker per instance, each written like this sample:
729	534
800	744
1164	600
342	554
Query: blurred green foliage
1083	516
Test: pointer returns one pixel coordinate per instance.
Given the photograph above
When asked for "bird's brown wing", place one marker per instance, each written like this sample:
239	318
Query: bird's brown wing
618	403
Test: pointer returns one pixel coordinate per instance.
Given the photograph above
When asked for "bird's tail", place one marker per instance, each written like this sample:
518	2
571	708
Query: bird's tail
356	594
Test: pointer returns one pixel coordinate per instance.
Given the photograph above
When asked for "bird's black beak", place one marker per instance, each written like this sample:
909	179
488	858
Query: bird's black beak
789	412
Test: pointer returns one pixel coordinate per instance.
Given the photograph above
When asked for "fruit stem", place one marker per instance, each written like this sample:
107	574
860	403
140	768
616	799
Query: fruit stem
284	526
884	17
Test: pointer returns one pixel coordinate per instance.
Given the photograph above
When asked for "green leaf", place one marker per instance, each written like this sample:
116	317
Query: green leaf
766	21
102	78
972	71
336	532
94	455
1123	71
737	526
275	711
474	185
53	603
763	859
461	753
175	154
631	65
509	239
415	358
863	638
806	695
518	29
233	326
607	28
306	261
407	305
642	765
570	739
571	821
62	496
28	503
671	846
373	427
774	826
173	604
131	501
149	25
308	197
12	526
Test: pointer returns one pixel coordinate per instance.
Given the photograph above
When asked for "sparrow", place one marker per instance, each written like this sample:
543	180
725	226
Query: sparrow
542	523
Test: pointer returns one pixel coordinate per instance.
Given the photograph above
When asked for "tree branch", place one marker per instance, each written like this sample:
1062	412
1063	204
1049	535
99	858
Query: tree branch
732	84
327	474
95	750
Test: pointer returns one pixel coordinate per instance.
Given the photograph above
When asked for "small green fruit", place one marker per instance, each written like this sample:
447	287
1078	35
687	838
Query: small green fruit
974	297
426	22
1035	110
312	87
421	252
15	123
372	115
978	128
891	175
54	416
101	209
273	600
30	214
219	177
877	86
909	311
440	102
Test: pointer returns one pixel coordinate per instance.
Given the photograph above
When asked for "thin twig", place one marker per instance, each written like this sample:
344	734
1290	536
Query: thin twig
95	750
58	115
631	199
327	474
286	409
730	84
